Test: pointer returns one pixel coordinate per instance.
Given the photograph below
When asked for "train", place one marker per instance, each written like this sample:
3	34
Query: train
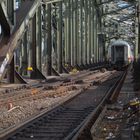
120	54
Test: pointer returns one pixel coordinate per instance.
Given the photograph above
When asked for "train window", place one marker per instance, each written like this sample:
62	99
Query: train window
18	3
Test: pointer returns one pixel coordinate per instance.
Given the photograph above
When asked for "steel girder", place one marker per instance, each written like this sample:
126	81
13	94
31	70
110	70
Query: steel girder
117	10
14	39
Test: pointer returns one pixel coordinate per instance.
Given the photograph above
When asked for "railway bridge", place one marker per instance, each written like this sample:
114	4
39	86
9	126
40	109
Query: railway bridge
50	37
69	69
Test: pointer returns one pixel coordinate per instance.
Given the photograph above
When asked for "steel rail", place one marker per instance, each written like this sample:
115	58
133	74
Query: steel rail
89	122
55	118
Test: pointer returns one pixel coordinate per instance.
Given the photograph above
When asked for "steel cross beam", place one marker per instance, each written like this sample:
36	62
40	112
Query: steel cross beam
106	2
117	10
115	36
125	18
51	1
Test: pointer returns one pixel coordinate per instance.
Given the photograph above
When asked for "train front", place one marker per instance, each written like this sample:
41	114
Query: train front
120	54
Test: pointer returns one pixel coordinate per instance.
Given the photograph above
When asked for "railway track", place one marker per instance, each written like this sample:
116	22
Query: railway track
20	104
29	93
64	121
120	120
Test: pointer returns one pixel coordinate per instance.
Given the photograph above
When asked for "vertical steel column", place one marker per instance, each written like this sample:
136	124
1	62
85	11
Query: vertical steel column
98	30
100	45
103	43
81	33
97	27
29	48
75	32
103	35
68	32
92	32
95	37
21	49
20	55
59	37
34	43
25	61
49	40
100	39
85	45
89	32
39	37
72	33
65	32
44	40
11	11
11	71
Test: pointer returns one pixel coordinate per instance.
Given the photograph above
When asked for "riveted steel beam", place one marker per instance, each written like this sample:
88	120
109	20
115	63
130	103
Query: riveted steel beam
72	32
105	2
85	34
92	32
10	72
81	34
59	38
68	32
117	10
39	38
14	39
49	41
33	47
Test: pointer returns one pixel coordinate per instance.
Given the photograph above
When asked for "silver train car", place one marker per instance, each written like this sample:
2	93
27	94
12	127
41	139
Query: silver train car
120	54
